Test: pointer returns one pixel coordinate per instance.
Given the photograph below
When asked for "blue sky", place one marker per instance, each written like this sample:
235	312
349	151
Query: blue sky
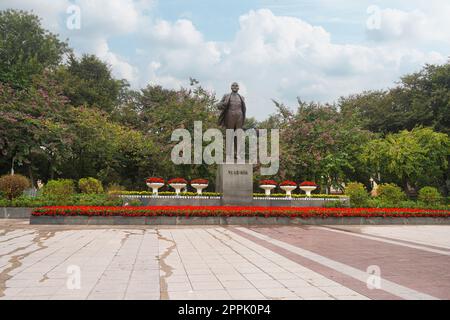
277	49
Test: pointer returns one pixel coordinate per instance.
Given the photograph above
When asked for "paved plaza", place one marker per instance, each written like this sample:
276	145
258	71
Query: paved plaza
212	262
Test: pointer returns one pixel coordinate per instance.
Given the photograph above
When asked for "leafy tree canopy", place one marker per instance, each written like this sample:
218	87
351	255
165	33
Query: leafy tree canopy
26	49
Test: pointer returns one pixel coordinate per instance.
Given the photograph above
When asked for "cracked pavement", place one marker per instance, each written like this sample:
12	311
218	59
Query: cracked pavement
217	262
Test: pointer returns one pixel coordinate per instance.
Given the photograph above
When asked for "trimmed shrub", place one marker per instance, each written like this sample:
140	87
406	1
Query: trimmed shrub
390	193
61	188
4	202
79	199
13	186
95	200
357	193
90	186
430	196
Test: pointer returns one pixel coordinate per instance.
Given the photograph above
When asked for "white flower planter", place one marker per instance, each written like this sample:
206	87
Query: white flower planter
178	187
199	187
267	188
308	190
288	190
155	187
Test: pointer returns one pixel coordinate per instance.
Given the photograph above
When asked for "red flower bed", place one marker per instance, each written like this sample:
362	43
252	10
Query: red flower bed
177	181
154	180
187	211
199	181
268	182
308	184
288	183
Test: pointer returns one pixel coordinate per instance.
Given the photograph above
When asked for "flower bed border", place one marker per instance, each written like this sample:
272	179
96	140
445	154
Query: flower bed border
224	211
173	215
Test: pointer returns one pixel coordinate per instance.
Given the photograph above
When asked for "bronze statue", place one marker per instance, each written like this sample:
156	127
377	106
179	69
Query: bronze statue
232	117
233	109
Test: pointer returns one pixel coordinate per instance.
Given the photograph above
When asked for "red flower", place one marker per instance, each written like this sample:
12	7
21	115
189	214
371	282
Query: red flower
177	181
288	183
210	211
154	180
199	181
268	182
308	184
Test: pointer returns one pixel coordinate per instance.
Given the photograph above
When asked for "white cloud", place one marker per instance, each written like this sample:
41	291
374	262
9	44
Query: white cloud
100	20
108	17
271	56
279	57
49	10
412	27
120	67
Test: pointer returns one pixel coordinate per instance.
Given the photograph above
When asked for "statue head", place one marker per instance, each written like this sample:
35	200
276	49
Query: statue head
235	87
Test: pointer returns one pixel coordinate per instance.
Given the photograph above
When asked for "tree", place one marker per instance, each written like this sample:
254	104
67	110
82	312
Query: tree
426	95
26	49
410	158
318	143
88	81
420	99
161	111
108	151
33	124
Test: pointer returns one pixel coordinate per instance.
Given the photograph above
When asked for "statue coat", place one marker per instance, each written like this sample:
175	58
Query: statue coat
224	106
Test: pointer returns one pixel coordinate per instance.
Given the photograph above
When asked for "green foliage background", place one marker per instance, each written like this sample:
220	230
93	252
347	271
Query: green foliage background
63	116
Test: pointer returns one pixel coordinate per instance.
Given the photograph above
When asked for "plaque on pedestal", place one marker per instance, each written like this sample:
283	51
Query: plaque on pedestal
235	182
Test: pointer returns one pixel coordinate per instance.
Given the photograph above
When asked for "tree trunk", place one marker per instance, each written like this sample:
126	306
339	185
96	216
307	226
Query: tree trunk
30	174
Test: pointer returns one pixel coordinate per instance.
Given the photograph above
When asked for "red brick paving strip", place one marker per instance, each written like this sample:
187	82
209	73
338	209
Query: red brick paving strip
327	272
417	269
391	239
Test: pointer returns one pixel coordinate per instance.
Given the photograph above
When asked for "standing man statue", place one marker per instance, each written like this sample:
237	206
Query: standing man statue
233	109
232	115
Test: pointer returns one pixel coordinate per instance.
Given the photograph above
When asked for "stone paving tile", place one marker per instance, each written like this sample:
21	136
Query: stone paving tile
148	263
237	284
407	272
210	285
246	294
428	235
279	293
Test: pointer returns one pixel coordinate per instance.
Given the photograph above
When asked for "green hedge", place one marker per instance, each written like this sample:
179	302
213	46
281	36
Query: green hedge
283	195
73	200
216	194
380	203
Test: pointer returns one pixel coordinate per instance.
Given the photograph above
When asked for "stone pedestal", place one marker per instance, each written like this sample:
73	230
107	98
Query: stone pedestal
235	182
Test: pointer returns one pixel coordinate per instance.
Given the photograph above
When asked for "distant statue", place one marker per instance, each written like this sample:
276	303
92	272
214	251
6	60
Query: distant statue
374	192
232	116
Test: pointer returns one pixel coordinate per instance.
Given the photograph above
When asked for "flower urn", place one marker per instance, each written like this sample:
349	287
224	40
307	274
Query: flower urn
308	187
178	184
288	187
267	186
199	185
155	184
